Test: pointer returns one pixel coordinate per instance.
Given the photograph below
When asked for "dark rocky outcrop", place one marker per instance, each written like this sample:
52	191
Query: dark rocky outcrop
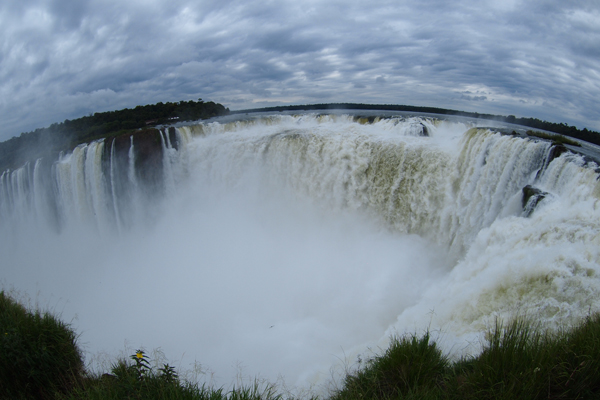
173	137
148	154
531	197
367	119
555	151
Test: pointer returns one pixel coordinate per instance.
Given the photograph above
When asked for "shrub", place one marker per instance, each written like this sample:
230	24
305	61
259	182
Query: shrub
38	353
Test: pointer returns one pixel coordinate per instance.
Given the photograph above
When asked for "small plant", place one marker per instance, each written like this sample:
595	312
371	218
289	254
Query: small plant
168	373
142	365
134	378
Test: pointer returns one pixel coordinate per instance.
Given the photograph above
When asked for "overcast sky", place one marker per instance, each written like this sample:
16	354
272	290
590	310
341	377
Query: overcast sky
64	59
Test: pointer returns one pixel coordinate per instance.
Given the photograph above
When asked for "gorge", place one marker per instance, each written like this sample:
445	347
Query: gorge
288	245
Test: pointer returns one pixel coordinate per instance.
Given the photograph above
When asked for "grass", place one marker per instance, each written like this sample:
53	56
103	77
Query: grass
39	359
409	365
38	353
519	361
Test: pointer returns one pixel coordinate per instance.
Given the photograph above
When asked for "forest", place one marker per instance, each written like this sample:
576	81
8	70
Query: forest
64	136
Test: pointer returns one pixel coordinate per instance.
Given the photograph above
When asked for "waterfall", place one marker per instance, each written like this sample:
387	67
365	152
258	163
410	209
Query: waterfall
131	166
283	243
113	185
169	159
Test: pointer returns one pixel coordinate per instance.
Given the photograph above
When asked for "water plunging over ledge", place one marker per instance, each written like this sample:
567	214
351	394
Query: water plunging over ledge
278	245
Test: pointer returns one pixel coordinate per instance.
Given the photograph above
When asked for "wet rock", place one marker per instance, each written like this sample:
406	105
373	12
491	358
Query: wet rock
555	151
173	138
148	154
531	197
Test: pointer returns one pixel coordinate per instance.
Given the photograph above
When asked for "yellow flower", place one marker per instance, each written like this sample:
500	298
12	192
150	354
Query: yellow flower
139	354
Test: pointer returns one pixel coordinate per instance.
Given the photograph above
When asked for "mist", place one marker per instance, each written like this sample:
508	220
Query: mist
237	279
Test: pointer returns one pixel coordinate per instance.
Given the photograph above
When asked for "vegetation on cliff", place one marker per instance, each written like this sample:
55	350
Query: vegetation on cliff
64	136
39	359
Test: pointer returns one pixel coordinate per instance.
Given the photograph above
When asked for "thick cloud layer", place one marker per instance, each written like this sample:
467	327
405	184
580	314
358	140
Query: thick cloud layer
67	58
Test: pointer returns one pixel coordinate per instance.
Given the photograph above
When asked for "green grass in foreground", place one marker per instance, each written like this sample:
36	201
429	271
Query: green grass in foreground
38	353
518	362
137	380
39	359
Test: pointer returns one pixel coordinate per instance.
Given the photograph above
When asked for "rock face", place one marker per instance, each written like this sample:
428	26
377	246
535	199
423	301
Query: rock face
173	137
147	152
531	197
555	151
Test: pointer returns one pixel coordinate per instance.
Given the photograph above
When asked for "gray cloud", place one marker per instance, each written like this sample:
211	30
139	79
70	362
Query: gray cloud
64	58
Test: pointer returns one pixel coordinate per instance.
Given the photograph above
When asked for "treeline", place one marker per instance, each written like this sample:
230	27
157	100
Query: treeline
562	128
66	135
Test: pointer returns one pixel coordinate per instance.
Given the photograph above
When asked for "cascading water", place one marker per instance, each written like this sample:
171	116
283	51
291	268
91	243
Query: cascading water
278	245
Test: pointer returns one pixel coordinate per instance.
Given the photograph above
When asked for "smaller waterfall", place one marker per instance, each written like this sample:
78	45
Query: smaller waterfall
491	171
169	159
97	185
39	199
113	185
131	175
